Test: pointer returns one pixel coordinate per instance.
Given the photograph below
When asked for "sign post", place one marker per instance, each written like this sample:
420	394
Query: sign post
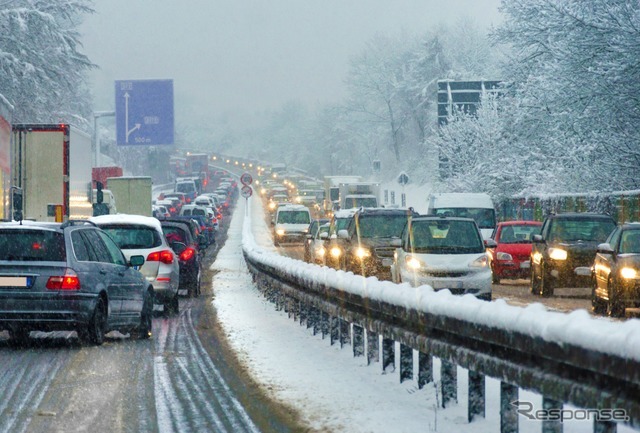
403	179
246	192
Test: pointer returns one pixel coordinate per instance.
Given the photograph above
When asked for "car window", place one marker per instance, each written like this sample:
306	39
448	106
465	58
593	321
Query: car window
381	226
32	245
133	236
116	255
446	237
518	234
175	234
630	242
79	247
581	229
98	251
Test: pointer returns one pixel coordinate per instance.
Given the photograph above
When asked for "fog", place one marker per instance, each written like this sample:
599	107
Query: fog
249	55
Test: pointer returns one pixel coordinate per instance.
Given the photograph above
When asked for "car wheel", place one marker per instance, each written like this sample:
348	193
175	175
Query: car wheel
19	336
546	287
597	306
172	306
94	332
614	308
146	318
535	283
494	277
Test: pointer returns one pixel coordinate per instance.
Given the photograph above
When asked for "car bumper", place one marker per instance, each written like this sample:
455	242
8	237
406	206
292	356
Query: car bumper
567	274
512	269
46	312
476	283
164	290
291	238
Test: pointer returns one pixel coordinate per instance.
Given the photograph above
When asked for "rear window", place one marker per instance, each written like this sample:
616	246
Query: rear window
187	187
32	245
175	234
132	237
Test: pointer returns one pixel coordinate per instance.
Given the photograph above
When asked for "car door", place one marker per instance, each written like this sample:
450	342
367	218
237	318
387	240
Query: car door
129	281
604	264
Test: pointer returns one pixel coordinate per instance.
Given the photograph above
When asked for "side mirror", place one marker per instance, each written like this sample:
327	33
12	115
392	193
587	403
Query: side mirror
536	239
343	234
490	243
396	243
178	247
604	248
136	261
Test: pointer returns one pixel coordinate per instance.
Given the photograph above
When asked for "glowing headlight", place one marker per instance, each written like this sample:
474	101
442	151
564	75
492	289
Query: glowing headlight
335	252
321	251
412	262
557	254
272	205
480	262
628	273
280	232
362	253
504	256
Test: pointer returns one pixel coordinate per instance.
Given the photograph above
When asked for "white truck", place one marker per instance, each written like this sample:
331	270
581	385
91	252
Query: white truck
332	190
6	111
132	194
359	194
478	206
51	166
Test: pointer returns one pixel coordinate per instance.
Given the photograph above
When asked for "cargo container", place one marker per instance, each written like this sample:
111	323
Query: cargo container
132	194
101	174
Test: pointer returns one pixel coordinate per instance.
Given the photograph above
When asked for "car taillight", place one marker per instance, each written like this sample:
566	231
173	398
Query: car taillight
164	256
68	281
219	216
187	254
188	200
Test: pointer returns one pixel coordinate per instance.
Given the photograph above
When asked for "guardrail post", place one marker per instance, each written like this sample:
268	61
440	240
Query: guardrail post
425	369
312	321
325	324
334	329
373	347
345	335
551	426
358	340
388	354
303	313
508	414
448	377
406	363
476	395
604	427
278	299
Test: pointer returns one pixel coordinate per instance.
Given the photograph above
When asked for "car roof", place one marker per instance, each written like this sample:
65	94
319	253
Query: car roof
385	211
519	223
292	207
123	219
441	218
578	215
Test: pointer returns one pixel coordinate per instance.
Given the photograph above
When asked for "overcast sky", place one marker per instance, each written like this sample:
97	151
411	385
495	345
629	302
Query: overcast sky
227	55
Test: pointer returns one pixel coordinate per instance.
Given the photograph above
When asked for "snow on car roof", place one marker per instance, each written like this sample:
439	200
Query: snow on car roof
462	199
345	213
127	219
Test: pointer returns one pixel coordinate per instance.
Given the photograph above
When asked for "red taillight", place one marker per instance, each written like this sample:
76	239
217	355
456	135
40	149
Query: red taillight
164	256
68	281
219	216
172	210
188	200
187	254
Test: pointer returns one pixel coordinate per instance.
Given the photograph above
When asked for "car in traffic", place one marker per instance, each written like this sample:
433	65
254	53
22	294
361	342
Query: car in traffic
291	224
70	276
616	272
444	253
562	254
511	257
367	238
335	249
141	235
318	245
311	232
188	250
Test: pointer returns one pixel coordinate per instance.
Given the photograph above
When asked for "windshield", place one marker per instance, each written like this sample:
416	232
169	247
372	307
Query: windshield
293	217
580	229
445	237
186	187
485	218
381	226
351	202
518	234
32	245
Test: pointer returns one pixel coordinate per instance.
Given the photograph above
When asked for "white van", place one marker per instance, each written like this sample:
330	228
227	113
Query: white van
291	224
478	206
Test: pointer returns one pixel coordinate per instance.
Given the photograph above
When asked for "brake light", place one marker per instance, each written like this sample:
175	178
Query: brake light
68	281
164	256
172	210
188	200
187	254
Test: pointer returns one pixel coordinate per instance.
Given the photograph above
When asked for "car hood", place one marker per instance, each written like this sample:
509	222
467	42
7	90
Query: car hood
517	249
375	242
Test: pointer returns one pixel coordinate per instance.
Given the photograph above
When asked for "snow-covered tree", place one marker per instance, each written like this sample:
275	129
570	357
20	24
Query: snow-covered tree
42	70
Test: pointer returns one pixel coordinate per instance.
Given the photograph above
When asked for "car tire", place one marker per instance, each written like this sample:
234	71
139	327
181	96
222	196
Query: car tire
614	308
546	286
95	330
146	318
494	277
172	306
597	305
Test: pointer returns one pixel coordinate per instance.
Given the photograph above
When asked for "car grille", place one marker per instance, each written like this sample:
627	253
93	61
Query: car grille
445	274
384	252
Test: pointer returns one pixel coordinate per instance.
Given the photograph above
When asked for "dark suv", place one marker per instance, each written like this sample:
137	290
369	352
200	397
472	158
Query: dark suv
70	276
189	251
367	240
563	254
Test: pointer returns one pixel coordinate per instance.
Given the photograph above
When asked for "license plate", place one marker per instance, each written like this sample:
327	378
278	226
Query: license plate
387	262
525	265
447	285
13	282
583	271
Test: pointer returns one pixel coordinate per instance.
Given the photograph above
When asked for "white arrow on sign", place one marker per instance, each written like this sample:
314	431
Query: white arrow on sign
126	118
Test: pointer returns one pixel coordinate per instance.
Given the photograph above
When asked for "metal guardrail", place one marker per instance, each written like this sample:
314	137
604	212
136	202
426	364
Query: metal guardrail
561	373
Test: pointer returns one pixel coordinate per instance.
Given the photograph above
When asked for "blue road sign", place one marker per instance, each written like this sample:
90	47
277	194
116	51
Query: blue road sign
144	112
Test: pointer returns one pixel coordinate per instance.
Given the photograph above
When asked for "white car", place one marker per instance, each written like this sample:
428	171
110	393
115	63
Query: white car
141	235
291	224
444	253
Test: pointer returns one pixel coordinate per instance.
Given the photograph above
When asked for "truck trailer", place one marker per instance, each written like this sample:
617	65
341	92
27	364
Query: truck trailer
132	194
51	166
332	190
359	194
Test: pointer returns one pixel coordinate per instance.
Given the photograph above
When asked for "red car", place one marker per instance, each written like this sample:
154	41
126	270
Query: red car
510	258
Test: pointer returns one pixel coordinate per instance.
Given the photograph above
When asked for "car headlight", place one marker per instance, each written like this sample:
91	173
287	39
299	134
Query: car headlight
557	254
628	273
280	232
480	262
504	256
412	262
335	252
321	251
272	205
362	253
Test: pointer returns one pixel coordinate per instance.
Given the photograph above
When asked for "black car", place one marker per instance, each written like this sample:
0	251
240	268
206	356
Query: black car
563	254
367	240
616	272
70	276
188	249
